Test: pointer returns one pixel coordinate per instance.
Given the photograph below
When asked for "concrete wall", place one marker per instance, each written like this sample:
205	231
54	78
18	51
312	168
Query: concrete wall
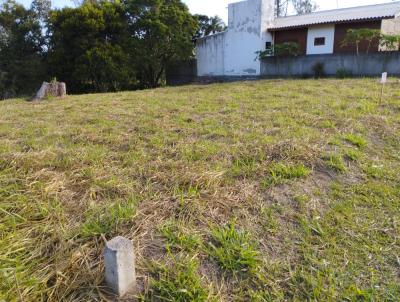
244	37
362	65
324	31
182	72
233	52
390	27
210	53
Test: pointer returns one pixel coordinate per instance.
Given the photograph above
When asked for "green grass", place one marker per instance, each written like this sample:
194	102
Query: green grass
233	249
178	281
335	162
171	168
101	220
355	140
280	173
179	237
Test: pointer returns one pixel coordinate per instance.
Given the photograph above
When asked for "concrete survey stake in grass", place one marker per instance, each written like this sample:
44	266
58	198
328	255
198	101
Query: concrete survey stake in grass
119	262
272	190
383	82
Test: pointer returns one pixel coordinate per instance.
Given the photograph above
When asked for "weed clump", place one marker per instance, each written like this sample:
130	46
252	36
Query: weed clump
233	249
280	173
353	155
335	162
178	237
178	282
355	140
244	166
104	220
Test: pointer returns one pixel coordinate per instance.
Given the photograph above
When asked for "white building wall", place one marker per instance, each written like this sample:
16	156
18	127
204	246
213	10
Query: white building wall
327	32
390	27
243	38
210	55
246	34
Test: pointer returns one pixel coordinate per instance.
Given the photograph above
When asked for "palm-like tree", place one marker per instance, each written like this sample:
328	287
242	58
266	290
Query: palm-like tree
209	25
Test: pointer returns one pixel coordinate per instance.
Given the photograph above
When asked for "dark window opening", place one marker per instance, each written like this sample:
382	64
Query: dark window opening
319	41
268	45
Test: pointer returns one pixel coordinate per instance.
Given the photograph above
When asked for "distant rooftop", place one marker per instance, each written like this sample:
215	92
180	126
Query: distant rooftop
369	12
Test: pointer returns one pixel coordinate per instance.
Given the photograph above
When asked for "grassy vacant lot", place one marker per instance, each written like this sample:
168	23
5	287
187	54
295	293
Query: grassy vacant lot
260	191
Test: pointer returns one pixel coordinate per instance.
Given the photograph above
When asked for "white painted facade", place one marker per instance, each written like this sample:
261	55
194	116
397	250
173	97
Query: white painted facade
326	32
233	52
210	54
250	23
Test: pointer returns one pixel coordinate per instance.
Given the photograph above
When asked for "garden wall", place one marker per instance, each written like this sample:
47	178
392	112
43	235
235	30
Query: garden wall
356	65
182	72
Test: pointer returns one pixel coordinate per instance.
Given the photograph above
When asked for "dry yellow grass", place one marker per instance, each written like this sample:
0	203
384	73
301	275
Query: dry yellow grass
307	170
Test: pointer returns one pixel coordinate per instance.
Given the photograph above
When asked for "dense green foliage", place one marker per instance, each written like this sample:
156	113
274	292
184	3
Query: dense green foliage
209	25
162	32
22	48
286	49
86	47
356	36
98	46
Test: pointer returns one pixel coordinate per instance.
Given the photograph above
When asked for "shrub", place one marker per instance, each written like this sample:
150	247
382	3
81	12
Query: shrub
390	42
343	73
287	49
319	70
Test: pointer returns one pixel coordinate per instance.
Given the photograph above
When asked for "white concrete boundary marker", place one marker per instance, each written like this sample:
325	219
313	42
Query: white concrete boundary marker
119	260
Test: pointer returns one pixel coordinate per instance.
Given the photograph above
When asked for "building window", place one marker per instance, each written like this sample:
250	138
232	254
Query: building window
319	41
268	45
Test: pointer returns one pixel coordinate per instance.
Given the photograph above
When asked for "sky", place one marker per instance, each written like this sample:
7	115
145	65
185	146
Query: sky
220	7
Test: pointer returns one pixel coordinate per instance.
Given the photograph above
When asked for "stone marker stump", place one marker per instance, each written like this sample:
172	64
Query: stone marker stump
56	89
119	260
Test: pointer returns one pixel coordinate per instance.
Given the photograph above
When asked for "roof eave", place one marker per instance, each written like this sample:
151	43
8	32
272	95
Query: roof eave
331	22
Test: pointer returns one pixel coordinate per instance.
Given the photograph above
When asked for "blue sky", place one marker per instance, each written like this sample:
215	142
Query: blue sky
219	7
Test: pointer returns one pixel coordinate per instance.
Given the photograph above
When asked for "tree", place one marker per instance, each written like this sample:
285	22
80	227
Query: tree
356	36
390	42
286	49
21	50
282	7
208	25
41	10
301	7
162	32
88	47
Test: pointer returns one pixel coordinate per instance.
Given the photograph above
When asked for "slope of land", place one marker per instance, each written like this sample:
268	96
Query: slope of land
257	191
